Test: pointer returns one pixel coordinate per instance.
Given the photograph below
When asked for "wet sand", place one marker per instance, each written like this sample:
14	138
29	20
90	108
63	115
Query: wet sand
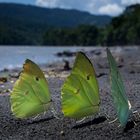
94	127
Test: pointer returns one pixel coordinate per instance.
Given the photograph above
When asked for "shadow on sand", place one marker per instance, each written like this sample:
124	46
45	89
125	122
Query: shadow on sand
40	120
130	125
91	122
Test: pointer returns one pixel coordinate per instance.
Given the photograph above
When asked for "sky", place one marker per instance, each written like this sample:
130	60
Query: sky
104	7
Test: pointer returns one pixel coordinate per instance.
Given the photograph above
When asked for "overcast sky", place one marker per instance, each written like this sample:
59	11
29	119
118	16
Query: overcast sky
109	7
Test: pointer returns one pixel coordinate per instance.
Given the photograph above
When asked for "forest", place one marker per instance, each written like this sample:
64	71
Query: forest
122	30
30	28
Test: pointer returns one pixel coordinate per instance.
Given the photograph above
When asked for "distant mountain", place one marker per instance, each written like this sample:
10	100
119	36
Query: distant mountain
52	17
25	22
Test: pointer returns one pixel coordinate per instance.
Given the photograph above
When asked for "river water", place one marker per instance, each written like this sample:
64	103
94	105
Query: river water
14	56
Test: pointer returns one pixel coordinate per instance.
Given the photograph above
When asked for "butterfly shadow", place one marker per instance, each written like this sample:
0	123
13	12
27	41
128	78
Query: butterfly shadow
98	120
40	120
130	125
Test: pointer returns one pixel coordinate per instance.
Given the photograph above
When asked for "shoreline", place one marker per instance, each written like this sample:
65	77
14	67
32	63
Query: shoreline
69	53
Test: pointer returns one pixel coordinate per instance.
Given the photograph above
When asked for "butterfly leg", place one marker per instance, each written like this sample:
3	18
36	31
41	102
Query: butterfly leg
119	125
113	121
79	121
54	113
107	116
53	110
44	113
136	112
37	116
136	117
135	123
104	114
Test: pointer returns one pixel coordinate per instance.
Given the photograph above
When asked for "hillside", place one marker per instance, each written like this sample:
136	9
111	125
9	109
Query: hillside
125	29
122	30
25	24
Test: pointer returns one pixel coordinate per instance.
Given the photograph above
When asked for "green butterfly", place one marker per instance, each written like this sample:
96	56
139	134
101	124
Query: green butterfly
30	95
118	91
80	92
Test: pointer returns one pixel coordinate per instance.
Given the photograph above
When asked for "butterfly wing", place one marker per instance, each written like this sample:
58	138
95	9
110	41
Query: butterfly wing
80	92
118	91
30	95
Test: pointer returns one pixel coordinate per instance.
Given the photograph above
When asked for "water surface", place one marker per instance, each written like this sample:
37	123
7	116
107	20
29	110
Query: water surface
14	56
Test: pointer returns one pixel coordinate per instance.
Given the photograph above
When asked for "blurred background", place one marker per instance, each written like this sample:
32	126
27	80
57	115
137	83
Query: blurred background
65	25
75	22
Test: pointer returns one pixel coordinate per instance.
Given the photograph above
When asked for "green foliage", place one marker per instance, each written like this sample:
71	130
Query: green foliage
82	35
125	29
21	24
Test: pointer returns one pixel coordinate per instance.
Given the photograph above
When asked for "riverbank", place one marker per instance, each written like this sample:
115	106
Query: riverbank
95	127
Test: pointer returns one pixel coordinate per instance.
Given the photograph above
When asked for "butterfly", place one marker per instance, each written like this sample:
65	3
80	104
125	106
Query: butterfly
30	95
121	101
80	91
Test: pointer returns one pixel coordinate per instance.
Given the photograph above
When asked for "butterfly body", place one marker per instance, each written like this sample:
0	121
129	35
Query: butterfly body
80	92
30	95
120	99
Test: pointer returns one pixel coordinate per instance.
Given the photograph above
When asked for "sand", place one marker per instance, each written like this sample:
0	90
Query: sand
94	127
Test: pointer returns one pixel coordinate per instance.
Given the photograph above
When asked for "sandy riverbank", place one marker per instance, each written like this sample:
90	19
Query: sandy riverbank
95	127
